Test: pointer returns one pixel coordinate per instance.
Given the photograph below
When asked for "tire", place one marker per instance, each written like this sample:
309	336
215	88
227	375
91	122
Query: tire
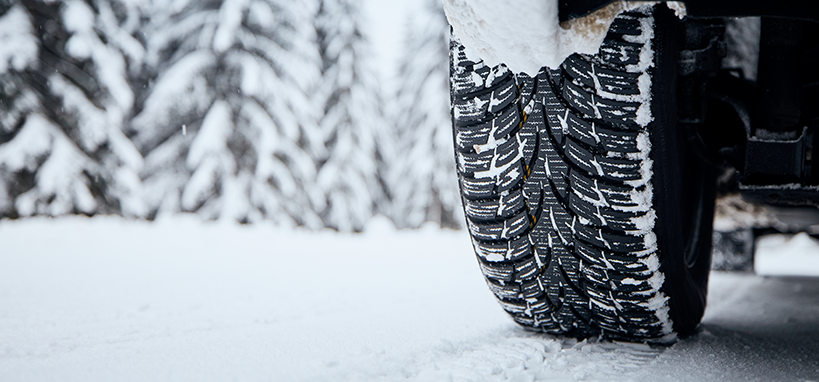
588	216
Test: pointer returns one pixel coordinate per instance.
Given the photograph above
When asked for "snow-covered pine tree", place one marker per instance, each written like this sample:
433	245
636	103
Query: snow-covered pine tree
63	149
227	129
423	183
352	124
18	55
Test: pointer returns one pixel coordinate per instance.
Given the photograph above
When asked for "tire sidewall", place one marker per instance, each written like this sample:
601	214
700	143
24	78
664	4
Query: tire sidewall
675	168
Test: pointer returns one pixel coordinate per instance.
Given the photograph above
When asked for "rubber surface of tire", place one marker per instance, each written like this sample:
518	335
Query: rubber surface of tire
574	229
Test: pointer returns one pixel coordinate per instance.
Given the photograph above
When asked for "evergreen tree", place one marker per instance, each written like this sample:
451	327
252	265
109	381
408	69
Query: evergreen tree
348	173
63	149
228	129
424	184
18	55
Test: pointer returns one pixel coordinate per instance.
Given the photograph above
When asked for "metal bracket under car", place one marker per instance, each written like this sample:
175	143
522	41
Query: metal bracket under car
766	129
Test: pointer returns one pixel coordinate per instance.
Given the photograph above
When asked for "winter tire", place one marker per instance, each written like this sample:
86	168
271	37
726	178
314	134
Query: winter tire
588	214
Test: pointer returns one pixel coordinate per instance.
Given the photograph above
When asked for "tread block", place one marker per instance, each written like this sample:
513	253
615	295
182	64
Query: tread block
616	82
467	79
626	24
580	100
533	288
618	112
511	176
467	138
513	250
580	70
552	108
606	193
620	169
528	137
519	248
618	140
471	109
506	152
601	303
485	231
526	86
598	216
467	76
504	291
477	188
472	163
613	241
540	236
502	230
497	75
591	255
558	220
556	292
598	135
584	311
593	76
594	107
526	269
570	266
542	306
579	307
508	121
514	307
475	138
526	321
583	158
516	226
491	252
557	170
532	188
470	78
639	319
568	319
543	253
597	276
620	282
491	209
497	271
619	52
623	316
616	169
626	263
503	95
631	263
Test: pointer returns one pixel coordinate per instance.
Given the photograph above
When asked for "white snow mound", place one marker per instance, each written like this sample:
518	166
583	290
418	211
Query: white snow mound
527	35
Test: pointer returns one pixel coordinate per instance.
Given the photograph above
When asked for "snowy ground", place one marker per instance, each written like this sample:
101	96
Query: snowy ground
107	300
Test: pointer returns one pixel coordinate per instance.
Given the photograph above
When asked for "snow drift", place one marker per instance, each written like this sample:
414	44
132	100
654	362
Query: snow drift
528	35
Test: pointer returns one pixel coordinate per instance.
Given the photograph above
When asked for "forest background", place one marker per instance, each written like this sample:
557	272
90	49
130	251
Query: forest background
241	110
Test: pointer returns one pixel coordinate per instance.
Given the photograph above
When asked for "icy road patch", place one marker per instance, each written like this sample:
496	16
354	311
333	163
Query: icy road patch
104	299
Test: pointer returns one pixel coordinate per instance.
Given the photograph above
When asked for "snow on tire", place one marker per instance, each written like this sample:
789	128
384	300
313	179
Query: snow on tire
557	174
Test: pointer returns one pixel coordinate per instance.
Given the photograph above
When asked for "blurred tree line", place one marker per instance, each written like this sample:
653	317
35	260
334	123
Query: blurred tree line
231	109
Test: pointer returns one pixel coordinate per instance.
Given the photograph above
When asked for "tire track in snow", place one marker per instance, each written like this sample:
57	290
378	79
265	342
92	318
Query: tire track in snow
518	355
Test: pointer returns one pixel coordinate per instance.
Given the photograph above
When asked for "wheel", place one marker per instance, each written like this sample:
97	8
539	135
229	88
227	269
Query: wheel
587	212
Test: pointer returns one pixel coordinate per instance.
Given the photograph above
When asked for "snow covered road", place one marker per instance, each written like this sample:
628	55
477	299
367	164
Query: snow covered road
107	300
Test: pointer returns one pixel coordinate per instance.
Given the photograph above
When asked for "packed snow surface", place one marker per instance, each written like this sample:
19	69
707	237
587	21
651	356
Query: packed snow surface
104	299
